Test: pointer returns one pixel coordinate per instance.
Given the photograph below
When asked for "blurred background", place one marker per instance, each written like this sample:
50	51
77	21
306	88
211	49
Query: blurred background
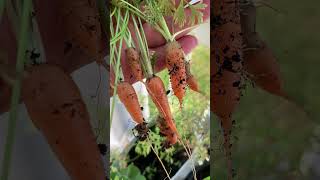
279	140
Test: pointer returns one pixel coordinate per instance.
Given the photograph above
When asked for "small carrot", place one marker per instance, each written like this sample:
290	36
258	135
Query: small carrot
264	68
55	106
157	92
171	136
129	98
227	67
176	66
133	59
259	60
191	80
82	24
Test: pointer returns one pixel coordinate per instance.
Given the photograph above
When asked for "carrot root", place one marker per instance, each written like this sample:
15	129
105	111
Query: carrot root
175	62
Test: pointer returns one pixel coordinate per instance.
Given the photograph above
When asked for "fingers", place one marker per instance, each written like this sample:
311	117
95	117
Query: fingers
187	43
155	39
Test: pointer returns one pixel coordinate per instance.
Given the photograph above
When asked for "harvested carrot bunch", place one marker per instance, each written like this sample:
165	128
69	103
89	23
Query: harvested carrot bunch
132	61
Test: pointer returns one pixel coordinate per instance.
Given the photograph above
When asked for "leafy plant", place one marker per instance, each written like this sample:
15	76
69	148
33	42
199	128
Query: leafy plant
129	173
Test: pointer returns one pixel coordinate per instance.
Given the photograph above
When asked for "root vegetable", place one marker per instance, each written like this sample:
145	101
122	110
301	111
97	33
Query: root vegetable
264	69
171	137
158	95
191	80
176	66
259	60
55	106
129	98
82	23
133	59
227	65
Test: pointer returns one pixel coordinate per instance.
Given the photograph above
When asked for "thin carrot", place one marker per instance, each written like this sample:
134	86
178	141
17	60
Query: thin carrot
259	60
55	106
191	80
157	92
129	98
264	68
133	59
227	67
82	23
176	66
171	137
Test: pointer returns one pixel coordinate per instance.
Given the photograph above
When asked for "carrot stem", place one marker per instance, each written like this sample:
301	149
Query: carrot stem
23	35
144	49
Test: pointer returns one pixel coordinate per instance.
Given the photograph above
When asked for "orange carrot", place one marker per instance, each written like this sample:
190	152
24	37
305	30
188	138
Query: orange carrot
82	24
259	60
55	106
171	136
176	67
133	59
191	80
157	92
264	68
129	98
227	65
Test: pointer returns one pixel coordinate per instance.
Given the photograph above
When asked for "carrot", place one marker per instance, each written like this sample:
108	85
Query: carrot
82	24
133	59
259	60
157	92
227	67
171	136
58	41
55	106
129	98
176	67
264	68
191	80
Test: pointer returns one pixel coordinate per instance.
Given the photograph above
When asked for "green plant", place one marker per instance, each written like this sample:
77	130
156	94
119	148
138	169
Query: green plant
21	58
149	172
129	173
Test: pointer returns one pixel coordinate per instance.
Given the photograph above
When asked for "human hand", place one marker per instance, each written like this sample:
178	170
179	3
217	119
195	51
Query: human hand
157	43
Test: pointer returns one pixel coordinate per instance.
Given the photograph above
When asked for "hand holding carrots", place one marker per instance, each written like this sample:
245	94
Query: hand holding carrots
157	42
